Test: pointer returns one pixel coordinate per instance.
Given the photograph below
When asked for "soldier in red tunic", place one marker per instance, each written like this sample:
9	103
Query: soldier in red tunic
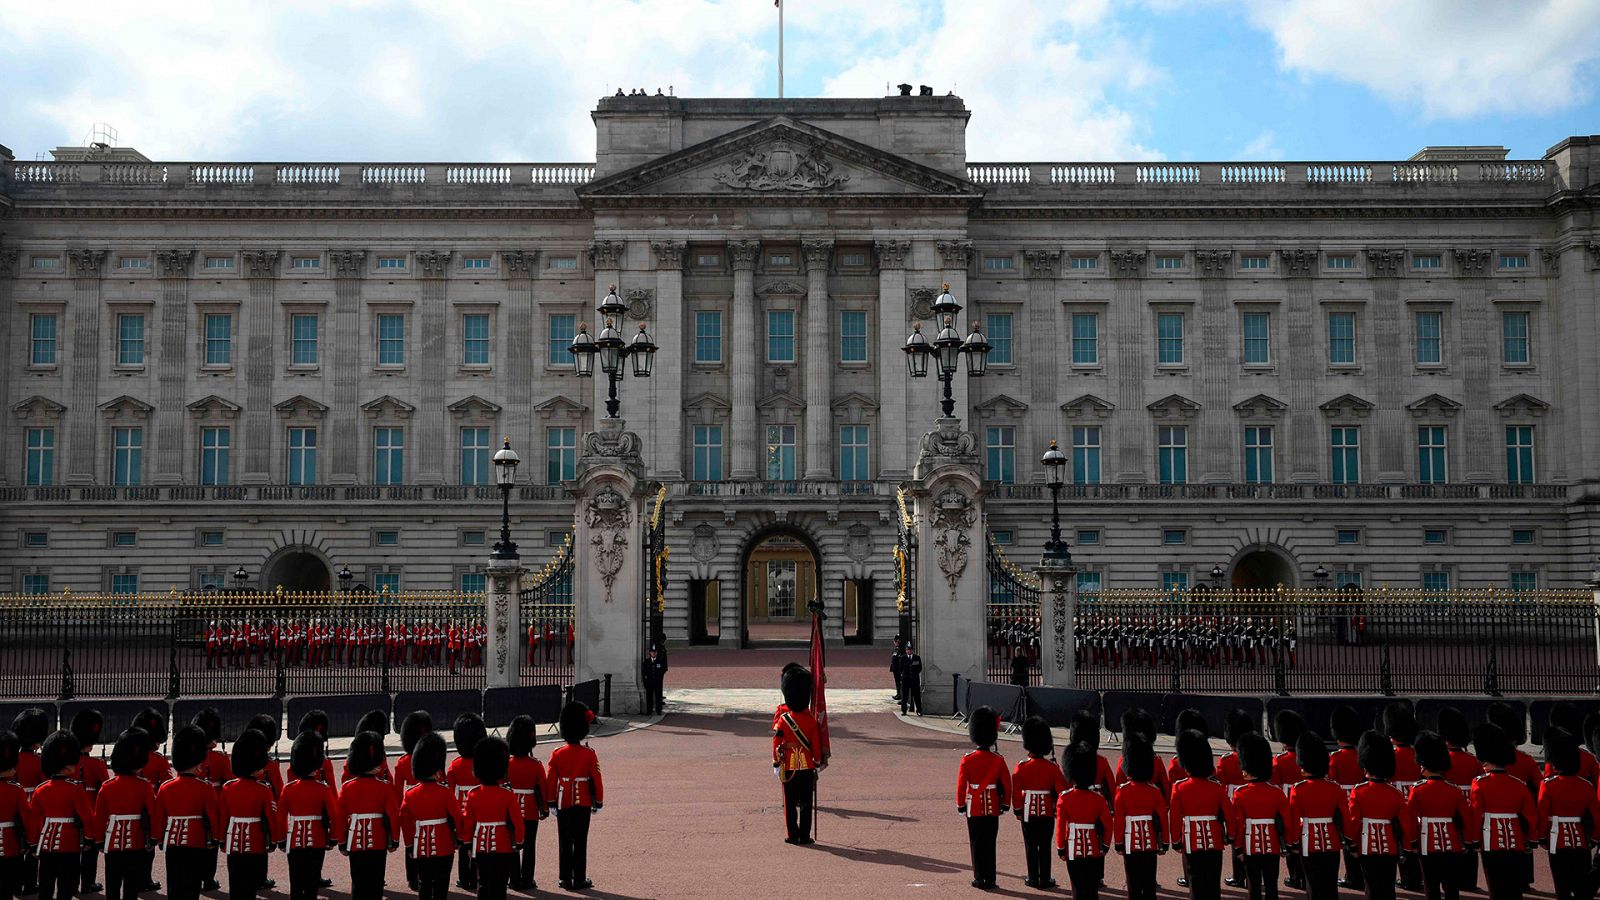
60	820
1324	814
1188	720
269	728
1231	776
188	816
1566	716
576	791
983	786
1510	821
1571	816
372	817
1143	724
469	730
377	722
1524	768
796	754
91	773
1083	823
493	818
1139	816
1400	724
416	724
1035	785
1086	730
1380	816
525	776
31	726
308	817
1288	725
1344	769
1262	820
217	772
249	817
1444	819
316	722
1464	767
13	818
1198	816
430	819
125	813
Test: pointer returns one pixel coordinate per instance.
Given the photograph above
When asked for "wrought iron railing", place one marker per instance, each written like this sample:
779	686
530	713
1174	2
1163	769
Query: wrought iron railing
548	622
1011	619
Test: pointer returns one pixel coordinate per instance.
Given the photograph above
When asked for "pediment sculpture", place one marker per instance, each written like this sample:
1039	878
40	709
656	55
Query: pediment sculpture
780	166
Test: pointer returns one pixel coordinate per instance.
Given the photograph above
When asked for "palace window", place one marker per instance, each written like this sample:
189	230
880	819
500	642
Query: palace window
1427	261
388	455
39	468
1258	454
1435	536
472	538
781	459
1169	339
780	336
1084	262
474	262
1341	261
998	263
302	456
853	336
1524	581
219	262
1254	261
1000	453
1432	456
391	262
44	262
130	339
564	263
561	331
1522	536
475	339
127	456
387	539
1086	454
1519	454
707	453
708	336
1085	339
1514	338
392	339
854	456
305	262
36	584
1174	582
1513	260
124	538
124	583
475	456
36	540
1171	536
1088	582
1430	331
1169	262
386	582
1088	537
1257	338
219	339
1344	443
42	327
135	263
1348	536
474	582
213	539
303	337
1172	453
1436	582
997	329
561	454
1341	339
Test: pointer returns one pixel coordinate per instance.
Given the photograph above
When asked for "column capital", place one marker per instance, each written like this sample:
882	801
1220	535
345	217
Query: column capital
434	263
1213	263
817	255
520	263
743	255
892	254
85	263
1042	263
607	254
955	254
669	255
1385	261
8	263
1128	263
348	263
174	263
1298	262
261	263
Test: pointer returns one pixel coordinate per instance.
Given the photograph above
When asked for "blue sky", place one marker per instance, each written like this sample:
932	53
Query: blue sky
1090	79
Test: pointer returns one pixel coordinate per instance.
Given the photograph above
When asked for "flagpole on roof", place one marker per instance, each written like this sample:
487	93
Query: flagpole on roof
779	5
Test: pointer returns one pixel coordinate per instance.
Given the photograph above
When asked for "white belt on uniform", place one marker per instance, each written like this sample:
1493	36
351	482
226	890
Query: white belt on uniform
421	824
292	821
1426	823
1187	822
173	820
1556	822
561	791
1027	802
358	817
1367	828
1488	819
1250	826
1305	833
229	841
1074	830
482	826
1128	829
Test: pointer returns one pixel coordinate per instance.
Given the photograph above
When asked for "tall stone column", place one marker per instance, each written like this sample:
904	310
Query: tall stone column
609	566
83	381
1130	365
895	444
1484	458
948	495
819	361
434	359
503	607
1218	367
256	324
1043	363
172	364
1391	363
1300	316
12	326
666	385
521	357
746	361
348	268
1058	603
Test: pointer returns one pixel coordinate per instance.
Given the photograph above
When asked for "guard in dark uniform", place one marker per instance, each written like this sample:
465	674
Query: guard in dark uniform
796	754
911	682
895	665
655	680
92	774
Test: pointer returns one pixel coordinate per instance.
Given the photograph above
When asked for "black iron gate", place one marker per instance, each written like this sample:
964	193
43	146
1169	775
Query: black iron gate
547	616
905	568
1012	621
656	553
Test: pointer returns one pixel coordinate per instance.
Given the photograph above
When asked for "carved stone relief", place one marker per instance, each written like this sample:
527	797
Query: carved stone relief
1058	605
669	255
780	166
348	263
607	254
86	263
608	518
641	302
433	263
858	543
1473	262
953	516
1385	261
1298	263
1042	263
261	263
704	546
520	263
922	302
892	254
1127	262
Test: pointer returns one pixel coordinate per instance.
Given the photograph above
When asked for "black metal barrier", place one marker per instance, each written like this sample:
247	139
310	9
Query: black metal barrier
1004	699
9	712
1317	710
501	705
443	706
1115	703
344	711
1214	708
1058	705
118	714
236	712
963	701
587	693
1476	709
1539	715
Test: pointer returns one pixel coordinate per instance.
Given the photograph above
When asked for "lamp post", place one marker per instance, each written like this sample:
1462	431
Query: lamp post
345	577
240	576
505	475
949	347
1319	577
1056	551
612	350
1216	577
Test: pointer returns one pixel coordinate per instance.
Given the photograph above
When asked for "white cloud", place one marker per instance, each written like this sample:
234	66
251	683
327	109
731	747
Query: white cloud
1263	146
1442	58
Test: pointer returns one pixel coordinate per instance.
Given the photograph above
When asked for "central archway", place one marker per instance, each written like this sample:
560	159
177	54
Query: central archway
779	570
1263	567
296	569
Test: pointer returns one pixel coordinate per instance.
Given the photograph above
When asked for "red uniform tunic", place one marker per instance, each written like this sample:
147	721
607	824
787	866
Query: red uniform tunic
1406	770
92	774
525	777
13	819
1105	779
1083	824
1035	785
1569	813
187	813
1444	817
125	813
460	778
308	815
381	773
157	770
1229	774
1381	819
493	818
1324	814
1286	772
1138	818
1176	772
796	740
983	784
1160	781
572	778
403	779
1588	768
275	777
218	769
1525	770
1199	814
372	816
60	819
1262	819
249	817
1505	810
430	818
1463	768
29	774
1344	768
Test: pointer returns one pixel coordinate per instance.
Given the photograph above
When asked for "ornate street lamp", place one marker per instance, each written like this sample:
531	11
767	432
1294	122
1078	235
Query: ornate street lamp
949	347
505	475
345	577
1216	577
240	576
1056	551
612	350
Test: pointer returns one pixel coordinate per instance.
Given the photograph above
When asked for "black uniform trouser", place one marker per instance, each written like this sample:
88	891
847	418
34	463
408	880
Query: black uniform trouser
30	875
185	872
88	865
1569	869
1204	874
524	875
1038	839
650	691
433	877
981	834
1236	873
411	869
1505	871
494	872
1441	874
799	797
1297	877
11	878
1321	872
1352	871
466	872
208	866
1261	874
1378	874
305	873
1086	873
572	841
366	874
1469	872
910	695
127	872
246	873
1141	871
58	875
1410	868
897	681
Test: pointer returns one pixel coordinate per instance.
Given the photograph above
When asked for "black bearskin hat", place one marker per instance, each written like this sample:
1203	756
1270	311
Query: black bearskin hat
1345	725
1433	755
307	755
189	747
469	730
268	725
1080	762
1137	721
427	757
1399	724
1375	755
209	721
315	720
983	728
366	752
1193	720
1311	754
1492	746
1036	736
154	724
1453	727
797	689
249	753
574	722
1194	753
10	750
1086	729
1138	757
131	753
1289	725
86	727
31	727
490	760
60	751
1564	715
416	724
1509	721
1255	755
1561	750
1238	724
1591	731
521	735
375	721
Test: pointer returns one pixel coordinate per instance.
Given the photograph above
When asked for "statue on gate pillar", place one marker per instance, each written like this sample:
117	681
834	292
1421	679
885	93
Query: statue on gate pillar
948	495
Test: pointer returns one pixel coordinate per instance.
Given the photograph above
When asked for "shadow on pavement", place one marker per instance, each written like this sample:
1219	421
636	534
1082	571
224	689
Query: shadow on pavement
890	858
861	814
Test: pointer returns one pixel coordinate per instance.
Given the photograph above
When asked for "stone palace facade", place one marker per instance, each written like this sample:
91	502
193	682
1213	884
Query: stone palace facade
1388	369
